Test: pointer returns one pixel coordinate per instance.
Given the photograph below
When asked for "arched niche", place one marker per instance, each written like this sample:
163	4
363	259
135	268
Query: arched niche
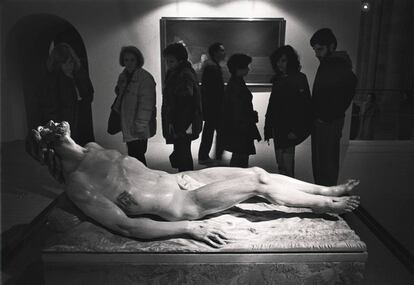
26	51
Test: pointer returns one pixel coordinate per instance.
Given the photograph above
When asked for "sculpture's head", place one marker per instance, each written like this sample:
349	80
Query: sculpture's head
53	133
41	144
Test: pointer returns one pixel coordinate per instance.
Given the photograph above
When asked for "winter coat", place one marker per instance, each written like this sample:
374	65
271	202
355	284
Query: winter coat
239	119
63	98
334	87
289	110
212	91
136	104
181	104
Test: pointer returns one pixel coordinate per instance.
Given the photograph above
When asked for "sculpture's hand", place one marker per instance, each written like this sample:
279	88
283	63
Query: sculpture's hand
208	232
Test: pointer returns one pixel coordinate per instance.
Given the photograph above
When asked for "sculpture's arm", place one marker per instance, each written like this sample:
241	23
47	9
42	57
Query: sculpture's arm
107	213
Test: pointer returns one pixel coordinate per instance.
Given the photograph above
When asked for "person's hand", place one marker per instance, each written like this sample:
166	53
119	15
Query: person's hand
208	232
292	136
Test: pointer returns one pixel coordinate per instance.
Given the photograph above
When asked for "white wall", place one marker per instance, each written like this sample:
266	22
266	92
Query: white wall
107	25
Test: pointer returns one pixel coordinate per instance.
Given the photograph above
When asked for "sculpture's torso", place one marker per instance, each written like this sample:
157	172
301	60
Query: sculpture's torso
125	181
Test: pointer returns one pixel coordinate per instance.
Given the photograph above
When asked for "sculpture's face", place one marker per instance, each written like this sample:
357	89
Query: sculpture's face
54	132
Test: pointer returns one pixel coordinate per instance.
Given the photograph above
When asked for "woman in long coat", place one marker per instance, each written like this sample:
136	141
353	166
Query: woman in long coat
289	112
181	106
239	118
68	93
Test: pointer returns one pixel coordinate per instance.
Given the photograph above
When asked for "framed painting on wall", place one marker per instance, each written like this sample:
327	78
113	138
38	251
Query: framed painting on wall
256	37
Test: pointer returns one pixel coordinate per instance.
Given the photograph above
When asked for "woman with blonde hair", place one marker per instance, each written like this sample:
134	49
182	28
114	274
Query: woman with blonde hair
68	93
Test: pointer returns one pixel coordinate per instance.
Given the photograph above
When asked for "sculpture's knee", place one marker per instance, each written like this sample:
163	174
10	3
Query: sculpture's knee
261	175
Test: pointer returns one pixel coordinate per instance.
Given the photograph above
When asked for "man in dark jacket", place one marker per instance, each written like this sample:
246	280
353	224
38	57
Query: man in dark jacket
212	93
333	91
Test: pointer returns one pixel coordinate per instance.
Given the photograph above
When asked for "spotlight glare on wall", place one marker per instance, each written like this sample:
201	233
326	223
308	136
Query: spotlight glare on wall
365	6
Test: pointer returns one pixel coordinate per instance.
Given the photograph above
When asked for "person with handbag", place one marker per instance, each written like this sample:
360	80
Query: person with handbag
134	109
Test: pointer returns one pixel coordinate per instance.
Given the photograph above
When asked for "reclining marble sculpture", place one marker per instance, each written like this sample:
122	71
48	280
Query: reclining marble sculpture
118	191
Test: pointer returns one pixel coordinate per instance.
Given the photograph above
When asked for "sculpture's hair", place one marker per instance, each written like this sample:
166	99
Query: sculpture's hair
41	147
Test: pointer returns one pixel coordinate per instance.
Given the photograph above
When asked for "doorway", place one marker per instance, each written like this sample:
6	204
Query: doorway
27	49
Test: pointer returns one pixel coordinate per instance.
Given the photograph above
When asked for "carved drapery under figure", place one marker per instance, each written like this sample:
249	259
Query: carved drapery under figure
272	245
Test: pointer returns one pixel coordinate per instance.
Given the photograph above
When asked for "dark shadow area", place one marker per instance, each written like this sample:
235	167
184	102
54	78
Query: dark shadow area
17	168
27	49
25	266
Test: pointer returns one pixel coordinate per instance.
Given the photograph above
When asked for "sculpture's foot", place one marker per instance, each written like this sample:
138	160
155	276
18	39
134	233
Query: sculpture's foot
339	205
340	190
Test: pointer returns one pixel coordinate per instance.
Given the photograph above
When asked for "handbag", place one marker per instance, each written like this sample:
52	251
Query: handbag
114	121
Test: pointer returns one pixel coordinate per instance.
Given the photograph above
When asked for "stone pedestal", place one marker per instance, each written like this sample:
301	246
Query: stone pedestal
272	245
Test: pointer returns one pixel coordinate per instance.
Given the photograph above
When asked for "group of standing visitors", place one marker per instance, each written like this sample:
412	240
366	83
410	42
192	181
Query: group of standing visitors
292	113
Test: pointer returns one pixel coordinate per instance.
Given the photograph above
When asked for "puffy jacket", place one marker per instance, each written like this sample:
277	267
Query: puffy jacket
137	105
